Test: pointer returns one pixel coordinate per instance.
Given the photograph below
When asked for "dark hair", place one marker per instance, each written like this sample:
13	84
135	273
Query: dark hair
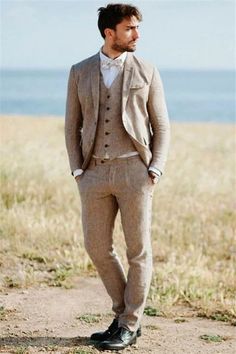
113	14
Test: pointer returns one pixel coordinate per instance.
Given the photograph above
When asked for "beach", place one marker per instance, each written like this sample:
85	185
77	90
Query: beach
193	238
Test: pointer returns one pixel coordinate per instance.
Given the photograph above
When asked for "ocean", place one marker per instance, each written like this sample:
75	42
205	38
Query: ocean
191	96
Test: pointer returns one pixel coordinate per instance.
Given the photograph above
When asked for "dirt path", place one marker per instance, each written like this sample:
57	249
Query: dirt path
56	320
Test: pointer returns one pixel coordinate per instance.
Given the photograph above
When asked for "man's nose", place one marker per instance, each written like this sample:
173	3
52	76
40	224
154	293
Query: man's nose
136	34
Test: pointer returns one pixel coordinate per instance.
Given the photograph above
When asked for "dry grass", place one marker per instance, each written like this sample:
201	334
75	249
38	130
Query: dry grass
194	245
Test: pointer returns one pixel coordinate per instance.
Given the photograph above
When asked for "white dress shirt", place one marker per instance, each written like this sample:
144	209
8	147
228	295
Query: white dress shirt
110	68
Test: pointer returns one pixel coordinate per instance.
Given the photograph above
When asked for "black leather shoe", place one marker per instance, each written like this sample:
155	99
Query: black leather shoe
102	336
121	339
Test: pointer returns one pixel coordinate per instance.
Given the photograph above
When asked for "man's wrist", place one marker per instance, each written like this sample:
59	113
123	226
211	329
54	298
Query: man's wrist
77	172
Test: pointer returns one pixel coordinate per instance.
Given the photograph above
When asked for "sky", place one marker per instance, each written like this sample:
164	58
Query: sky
174	34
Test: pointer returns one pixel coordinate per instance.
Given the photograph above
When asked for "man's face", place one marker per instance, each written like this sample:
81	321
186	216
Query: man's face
125	36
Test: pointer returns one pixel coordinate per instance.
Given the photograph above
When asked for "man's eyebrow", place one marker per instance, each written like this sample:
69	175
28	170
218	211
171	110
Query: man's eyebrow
132	26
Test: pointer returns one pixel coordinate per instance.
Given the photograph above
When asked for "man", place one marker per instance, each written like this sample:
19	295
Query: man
117	138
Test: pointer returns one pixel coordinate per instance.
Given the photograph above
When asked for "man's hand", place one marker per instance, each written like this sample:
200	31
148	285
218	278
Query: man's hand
154	177
77	174
77	178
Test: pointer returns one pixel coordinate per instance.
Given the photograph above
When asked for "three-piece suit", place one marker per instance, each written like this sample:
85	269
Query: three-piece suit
115	135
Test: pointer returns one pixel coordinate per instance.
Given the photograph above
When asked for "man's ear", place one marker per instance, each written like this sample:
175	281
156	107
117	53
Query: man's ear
108	32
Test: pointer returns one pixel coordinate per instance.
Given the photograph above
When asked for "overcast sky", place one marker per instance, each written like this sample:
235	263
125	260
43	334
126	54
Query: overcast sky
174	34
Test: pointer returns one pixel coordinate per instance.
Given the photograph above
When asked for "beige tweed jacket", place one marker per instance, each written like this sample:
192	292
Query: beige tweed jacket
144	112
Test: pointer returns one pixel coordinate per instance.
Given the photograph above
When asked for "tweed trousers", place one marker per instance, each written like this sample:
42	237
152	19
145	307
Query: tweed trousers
106	187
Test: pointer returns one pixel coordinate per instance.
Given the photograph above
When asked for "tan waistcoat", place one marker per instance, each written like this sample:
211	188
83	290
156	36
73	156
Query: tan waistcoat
112	140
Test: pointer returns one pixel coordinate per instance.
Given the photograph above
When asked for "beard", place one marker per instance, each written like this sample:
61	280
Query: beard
121	47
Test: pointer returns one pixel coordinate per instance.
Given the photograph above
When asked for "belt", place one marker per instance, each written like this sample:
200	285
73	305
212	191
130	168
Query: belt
101	161
128	154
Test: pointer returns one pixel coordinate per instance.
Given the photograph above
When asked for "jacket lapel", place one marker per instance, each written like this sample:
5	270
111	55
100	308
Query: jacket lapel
134	78
127	80
95	83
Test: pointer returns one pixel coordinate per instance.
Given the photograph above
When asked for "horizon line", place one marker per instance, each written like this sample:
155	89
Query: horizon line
159	68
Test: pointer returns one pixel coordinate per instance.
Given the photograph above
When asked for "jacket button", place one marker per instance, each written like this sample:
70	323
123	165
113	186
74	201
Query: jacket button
107	120
108	108
107	133
106	145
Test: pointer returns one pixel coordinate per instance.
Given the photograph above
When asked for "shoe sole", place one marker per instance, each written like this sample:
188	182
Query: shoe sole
104	347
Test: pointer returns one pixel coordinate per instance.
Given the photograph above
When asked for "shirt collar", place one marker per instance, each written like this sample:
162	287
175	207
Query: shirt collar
122	57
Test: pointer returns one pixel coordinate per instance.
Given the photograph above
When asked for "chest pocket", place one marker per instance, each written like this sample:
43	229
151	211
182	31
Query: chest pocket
138	85
139	92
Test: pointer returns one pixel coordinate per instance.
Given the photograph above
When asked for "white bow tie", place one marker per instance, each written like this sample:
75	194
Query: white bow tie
108	63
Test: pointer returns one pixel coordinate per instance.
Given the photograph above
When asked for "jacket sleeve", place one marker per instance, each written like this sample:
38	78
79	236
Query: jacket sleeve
73	124
159	121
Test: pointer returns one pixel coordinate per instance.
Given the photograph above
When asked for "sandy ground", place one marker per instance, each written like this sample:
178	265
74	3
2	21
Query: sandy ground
49	320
